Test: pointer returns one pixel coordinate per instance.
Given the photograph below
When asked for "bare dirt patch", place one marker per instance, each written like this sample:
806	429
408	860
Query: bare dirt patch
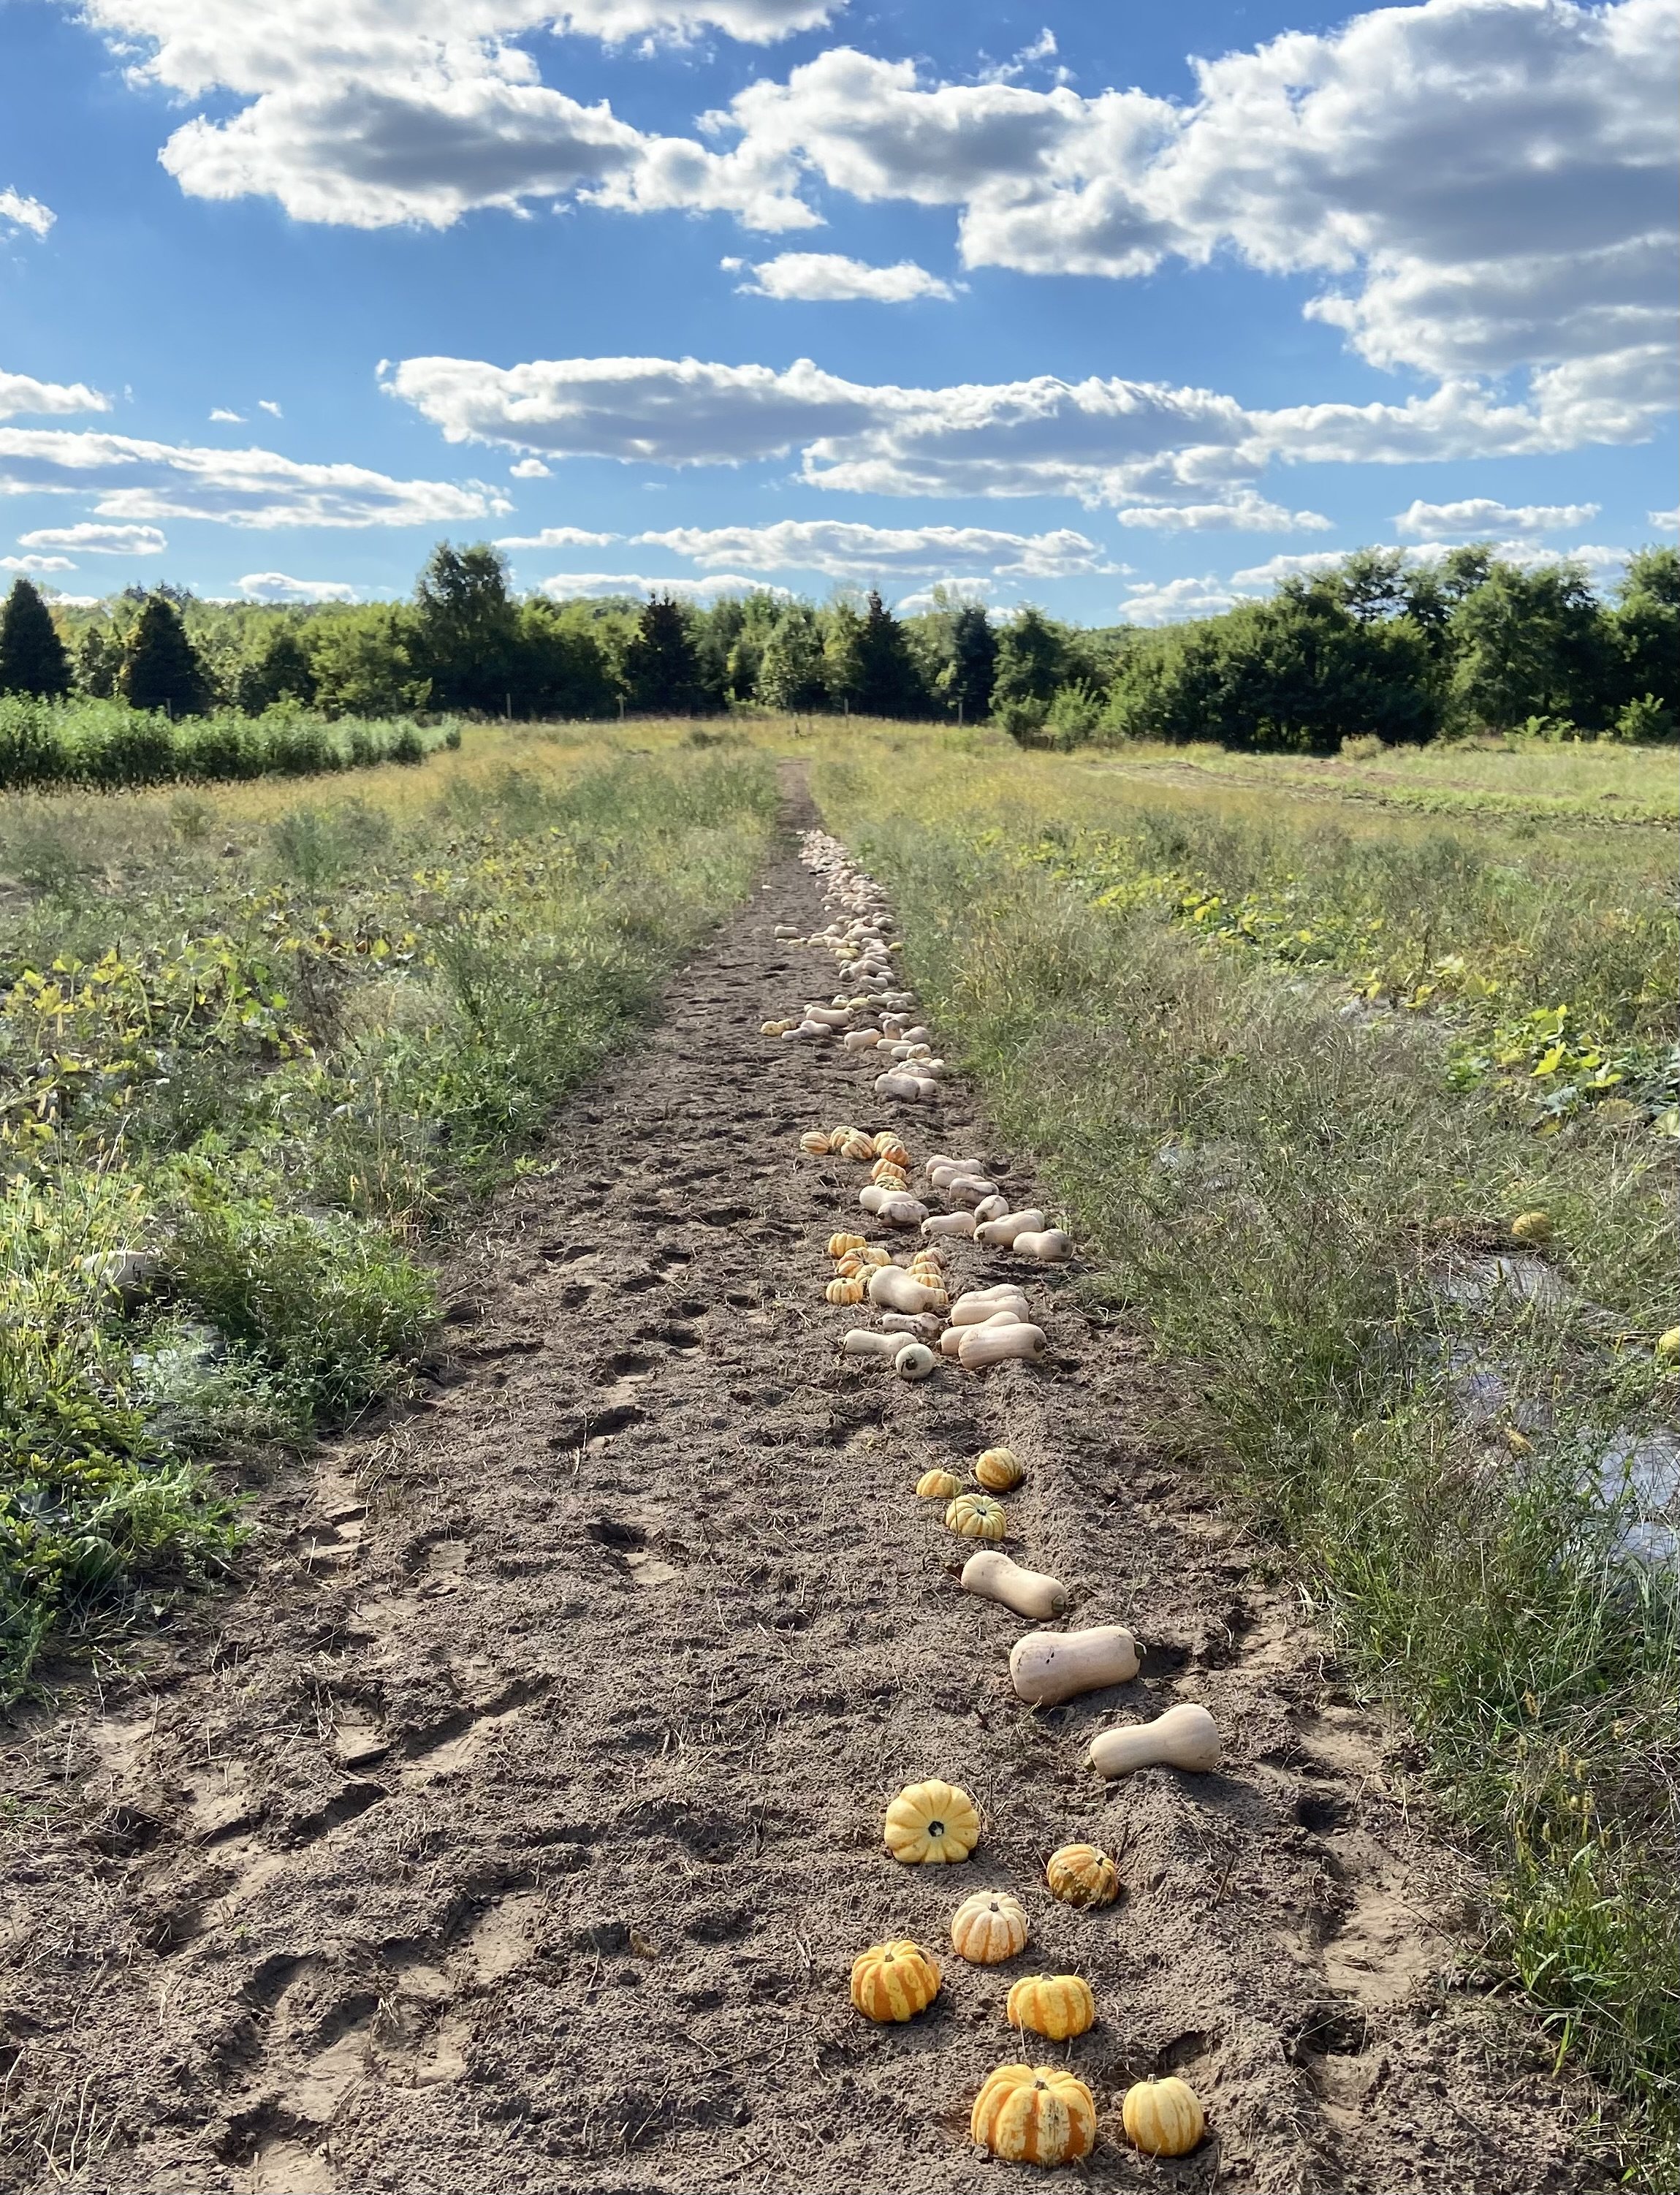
517	1824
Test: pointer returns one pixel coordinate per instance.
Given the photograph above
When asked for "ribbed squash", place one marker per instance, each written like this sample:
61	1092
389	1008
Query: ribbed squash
1080	1875
997	1470
1055	2005
815	1143
931	1823
976	1516
938	1485
1164	2118
1034	2115
988	1927
894	1981
844	1292
840	1245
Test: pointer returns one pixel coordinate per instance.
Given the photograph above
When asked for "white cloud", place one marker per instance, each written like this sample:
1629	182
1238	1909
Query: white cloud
842	551
1101	441
222	416
1276	568
529	468
1665	521
567	586
35	565
134	480
277	587
1480	516
22	391
954	591
1159	455
1245	512
557	537
17	211
830	278
267	404
1487	184
1174	599
89	539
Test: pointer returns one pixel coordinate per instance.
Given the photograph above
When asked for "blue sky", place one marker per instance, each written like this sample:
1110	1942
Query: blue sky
1118	309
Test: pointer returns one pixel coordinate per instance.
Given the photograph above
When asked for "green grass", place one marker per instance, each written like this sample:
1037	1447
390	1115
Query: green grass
275	1048
1273	1187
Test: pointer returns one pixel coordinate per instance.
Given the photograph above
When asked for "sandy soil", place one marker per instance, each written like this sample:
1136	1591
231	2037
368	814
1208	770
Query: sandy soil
516	1825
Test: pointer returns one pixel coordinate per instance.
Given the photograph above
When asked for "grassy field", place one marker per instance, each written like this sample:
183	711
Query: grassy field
1295	1060
261	1045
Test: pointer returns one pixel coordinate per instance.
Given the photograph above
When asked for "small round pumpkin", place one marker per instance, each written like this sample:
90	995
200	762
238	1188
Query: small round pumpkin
844	1292
894	1981
976	1516
1668	1346
889	1170
815	1143
1034	2115
888	1146
1080	1875
856	1146
1055	2005
938	1485
1163	2118
988	1927
997	1470
931	1823
840	1246
1531	1226
838	1136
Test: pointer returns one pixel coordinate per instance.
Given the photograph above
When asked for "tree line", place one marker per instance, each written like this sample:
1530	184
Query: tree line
1372	645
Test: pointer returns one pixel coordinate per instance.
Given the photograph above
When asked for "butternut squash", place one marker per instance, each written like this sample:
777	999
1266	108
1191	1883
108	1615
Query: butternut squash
948	1223
898	1085
975	1306
915	1361
1000	1234
1185	1737
864	1341
1048	1667
990	1207
990	1575
997	1344
1050	1247
863	1039
968	1189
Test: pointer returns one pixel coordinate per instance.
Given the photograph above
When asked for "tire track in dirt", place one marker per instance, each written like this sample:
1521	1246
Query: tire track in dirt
519	1823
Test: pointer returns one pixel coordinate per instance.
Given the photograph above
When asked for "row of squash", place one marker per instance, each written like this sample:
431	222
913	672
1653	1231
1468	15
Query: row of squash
1042	2115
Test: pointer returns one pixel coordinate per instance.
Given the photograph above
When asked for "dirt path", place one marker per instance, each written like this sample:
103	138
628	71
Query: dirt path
516	1828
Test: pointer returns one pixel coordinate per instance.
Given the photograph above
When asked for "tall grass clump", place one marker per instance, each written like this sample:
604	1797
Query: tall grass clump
246	1084
1279	1184
109	746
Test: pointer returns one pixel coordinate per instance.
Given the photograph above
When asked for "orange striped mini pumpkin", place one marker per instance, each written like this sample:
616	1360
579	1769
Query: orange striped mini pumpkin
1034	2115
1055	2005
894	1981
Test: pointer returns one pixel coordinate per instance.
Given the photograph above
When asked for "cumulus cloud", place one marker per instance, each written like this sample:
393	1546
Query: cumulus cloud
22	391
278	587
384	111
1665	521
1245	512
1174	599
1159	455
842	551
17	211
1102	441
139	480
529	468
569	586
830	278
91	540
557	537
1484	185
1277	569
1479	516
34	566
223	417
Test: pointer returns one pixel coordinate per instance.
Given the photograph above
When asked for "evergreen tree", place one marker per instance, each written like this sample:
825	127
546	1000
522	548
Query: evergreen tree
791	673
889	683
33	660
974	662
282	671
661	665
161	668
1032	659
